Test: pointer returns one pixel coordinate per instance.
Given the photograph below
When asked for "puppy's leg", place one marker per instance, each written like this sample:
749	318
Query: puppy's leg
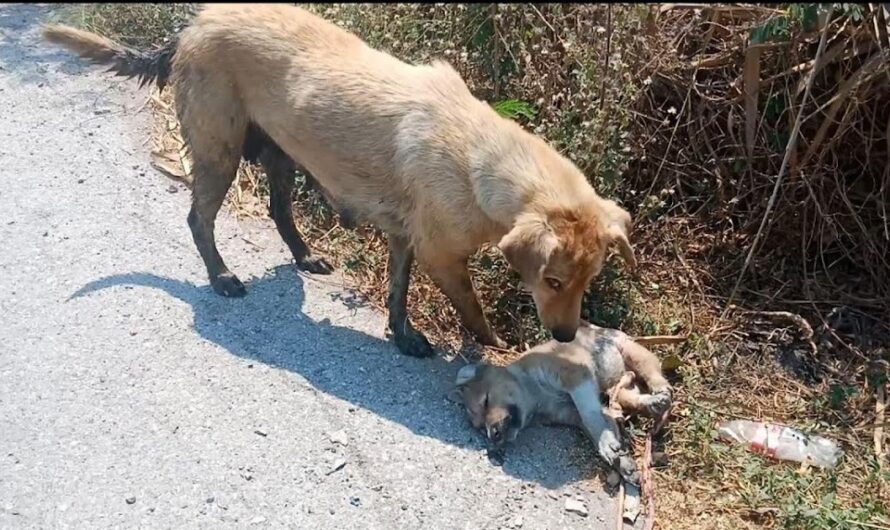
407	339
452	276
602	429
631	400
280	170
644	363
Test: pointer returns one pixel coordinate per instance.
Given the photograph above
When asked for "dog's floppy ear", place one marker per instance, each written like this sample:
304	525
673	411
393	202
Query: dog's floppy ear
618	226
464	376
527	247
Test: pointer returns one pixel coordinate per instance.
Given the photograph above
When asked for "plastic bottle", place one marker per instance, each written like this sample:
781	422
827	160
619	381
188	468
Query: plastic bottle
781	442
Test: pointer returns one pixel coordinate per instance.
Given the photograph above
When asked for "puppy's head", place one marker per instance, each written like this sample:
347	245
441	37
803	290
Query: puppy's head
493	400
557	252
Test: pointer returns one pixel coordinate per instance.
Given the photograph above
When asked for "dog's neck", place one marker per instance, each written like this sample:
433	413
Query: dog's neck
531	392
525	174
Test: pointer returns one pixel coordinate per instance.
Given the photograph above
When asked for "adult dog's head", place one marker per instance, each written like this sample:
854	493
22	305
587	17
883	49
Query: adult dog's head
558	251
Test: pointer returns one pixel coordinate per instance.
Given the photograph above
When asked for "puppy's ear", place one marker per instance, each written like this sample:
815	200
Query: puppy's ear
528	246
618	226
464	376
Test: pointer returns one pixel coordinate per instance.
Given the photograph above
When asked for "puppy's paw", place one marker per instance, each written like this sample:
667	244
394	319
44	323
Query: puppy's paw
413	343
609	447
228	285
315	265
627	468
658	403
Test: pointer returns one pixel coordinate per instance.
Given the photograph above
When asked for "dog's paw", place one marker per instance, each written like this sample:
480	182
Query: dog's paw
658	403
228	285
498	342
315	265
413	343
609	447
627	468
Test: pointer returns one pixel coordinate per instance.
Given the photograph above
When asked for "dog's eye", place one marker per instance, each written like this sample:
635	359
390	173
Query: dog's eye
554	284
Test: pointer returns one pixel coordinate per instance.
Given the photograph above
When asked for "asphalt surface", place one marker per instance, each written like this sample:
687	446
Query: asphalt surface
133	396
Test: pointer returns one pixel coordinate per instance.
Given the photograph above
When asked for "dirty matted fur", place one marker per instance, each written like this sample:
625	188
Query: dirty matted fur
404	147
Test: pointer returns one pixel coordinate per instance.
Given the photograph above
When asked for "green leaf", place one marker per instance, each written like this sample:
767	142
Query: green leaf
513	108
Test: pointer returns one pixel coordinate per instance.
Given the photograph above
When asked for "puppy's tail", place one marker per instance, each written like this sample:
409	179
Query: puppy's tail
146	66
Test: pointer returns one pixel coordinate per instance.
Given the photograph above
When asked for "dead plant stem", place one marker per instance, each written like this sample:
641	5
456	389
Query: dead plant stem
789	149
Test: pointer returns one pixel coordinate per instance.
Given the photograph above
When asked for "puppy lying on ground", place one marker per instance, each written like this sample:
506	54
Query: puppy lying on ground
560	384
407	148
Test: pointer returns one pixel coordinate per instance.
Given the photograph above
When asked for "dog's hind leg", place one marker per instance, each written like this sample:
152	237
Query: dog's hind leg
211	182
280	170
408	340
213	125
646	365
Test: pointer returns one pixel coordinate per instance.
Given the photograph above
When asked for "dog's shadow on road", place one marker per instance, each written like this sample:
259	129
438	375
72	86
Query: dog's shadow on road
268	326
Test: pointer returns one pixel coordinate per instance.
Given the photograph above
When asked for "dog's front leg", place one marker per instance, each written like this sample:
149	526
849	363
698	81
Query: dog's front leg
408	340
602	429
452	276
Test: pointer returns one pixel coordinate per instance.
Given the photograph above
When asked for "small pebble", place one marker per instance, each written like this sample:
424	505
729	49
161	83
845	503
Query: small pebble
613	479
339	437
131	500
338	465
517	523
258	519
577	507
210	500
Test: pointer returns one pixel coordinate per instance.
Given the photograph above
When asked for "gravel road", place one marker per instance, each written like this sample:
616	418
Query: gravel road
133	396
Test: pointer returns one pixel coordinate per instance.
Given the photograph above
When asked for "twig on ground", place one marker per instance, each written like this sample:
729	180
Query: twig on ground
648	484
880	407
652	340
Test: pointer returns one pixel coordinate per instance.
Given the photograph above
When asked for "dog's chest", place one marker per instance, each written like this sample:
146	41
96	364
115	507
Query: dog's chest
554	406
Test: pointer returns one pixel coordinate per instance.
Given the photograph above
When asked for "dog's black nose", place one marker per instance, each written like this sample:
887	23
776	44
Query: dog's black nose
563	334
496	434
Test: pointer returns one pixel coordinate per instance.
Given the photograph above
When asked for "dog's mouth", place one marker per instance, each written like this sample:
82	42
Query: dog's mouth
496	455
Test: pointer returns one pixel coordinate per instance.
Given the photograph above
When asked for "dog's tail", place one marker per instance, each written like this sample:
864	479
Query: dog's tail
146	66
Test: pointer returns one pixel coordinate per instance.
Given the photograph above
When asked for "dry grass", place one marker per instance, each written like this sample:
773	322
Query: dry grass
682	115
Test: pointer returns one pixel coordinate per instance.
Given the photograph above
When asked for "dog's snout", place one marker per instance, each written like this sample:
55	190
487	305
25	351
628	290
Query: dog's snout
564	334
496	433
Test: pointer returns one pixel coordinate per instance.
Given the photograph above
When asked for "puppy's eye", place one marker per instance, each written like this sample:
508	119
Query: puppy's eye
513	416
554	284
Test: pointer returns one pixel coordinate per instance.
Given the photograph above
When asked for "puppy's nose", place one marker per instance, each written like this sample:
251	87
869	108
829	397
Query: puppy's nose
563	334
495	434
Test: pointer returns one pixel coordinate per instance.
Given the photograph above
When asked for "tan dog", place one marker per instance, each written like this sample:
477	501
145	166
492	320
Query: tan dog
407	148
560	384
